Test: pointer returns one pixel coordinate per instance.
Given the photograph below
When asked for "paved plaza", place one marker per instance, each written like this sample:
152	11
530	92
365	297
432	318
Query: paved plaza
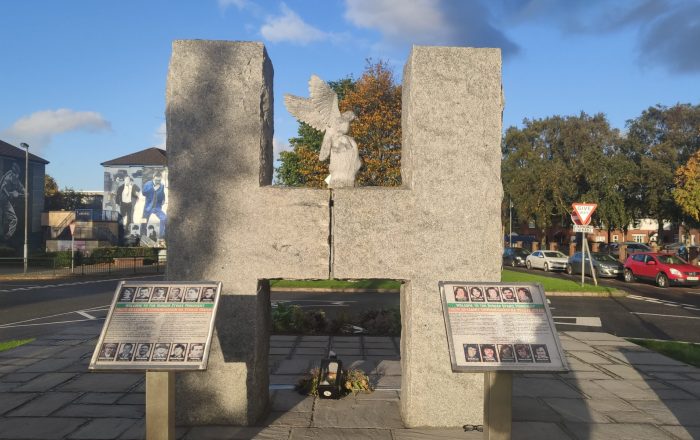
616	390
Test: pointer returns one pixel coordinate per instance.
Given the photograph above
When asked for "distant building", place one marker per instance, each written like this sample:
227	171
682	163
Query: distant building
13	196
136	186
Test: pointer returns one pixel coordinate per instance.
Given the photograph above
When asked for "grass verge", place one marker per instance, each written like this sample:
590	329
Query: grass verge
338	284
7	345
551	284
681	351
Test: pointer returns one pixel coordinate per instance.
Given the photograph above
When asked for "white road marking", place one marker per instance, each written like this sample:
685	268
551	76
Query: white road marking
663	302
76	283
667	316
588	321
47	323
87	315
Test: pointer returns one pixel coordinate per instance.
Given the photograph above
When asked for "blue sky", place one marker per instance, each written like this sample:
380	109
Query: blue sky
83	81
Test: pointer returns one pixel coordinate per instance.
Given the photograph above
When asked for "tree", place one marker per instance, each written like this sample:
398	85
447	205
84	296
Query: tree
376	101
687	191
50	186
660	140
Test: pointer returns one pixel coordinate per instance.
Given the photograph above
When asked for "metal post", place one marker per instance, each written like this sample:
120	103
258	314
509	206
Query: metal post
26	200
590	263
498	408
510	216
583	257
72	252
160	405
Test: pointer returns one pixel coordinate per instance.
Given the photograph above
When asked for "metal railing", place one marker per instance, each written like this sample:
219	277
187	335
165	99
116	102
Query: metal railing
61	267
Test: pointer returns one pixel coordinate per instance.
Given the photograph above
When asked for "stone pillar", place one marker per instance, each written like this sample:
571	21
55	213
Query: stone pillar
519	244
595	246
572	249
535	246
227	224
437	224
623	253
553	246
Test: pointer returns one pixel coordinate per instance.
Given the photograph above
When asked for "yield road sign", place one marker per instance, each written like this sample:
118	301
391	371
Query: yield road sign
588	229
72	228
575	218
584	211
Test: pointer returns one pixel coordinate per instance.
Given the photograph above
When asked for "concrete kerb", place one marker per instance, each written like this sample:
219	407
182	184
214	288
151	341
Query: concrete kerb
612	293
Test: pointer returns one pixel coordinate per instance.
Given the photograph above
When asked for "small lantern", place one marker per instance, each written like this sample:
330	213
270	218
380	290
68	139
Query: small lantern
330	378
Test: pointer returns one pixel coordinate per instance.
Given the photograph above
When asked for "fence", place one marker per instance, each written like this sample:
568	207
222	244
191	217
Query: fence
55	267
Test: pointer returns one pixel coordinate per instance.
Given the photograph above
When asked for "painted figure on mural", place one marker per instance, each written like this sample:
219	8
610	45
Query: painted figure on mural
126	197
154	193
10	190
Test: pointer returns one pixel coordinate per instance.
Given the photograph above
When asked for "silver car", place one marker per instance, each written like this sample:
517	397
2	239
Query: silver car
546	260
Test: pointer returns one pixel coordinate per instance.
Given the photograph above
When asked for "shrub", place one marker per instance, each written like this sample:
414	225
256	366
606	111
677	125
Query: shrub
381	322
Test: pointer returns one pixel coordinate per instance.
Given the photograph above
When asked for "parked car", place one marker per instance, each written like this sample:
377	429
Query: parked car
632	247
513	256
663	268
546	260
682	250
605	265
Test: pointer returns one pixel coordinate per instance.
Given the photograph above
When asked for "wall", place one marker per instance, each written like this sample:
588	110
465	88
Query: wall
12	207
138	221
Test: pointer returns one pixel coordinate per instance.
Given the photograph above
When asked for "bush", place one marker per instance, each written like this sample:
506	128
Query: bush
125	252
381	322
63	258
6	251
292	319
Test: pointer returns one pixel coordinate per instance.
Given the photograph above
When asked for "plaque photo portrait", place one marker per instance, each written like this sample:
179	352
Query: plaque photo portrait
192	294
196	352
108	351
175	295
208	295
160	352
159	294
126	295
126	351
143	352
524	295
506	353
471	352
492	294
488	353
143	294
476	294
460	293
541	353
523	353
177	353
507	294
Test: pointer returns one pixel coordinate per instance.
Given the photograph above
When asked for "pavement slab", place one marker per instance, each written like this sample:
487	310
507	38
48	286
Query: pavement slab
45	382
436	433
290	400
102	429
10	401
106	382
533	409
617	431
683	433
576	410
352	413
38	428
102	411
238	433
538	431
543	388
44	405
340	434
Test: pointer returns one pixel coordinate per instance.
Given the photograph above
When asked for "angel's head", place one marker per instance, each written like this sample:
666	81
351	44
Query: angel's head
343	121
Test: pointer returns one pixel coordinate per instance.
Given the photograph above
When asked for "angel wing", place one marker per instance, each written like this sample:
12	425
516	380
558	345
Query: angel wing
320	110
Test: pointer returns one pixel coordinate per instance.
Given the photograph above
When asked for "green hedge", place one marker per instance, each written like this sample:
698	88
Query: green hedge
125	252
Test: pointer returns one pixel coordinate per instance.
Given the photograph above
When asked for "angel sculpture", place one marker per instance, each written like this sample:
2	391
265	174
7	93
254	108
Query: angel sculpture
321	112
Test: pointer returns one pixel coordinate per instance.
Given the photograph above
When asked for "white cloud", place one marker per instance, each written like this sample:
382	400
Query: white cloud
440	22
290	27
279	146
39	128
160	135
240	4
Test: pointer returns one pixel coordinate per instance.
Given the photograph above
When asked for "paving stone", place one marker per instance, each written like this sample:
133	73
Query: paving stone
45	382
692	386
382	381
284	418
107	382
693	376
349	339
133	399
670	412
290	400
537	431
313	344
578	365
377	339
542	388
576	410
49	366
238	433
9	401
74	352
339	434
350	413
670	376
314	338
681	369
628	416
388	368
282	344
589	337
285	379
102	429
647	358
106	411
18	361
381	345
625	390
436	433
592	390
380	352
283	338
585	375
379	394
682	432
28	351
347	352
624	371
590	357
365	365
311	351
295	366
532	409
45	404
100	398
280	351
617	431
19	377
8	386
5	369
572	344
38	428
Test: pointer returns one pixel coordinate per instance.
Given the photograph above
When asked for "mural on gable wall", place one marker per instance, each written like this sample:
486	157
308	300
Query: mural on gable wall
140	195
11	201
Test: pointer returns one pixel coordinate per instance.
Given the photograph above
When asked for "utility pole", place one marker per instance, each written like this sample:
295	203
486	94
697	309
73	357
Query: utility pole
26	201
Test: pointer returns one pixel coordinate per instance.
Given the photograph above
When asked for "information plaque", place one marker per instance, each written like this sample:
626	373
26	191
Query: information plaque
158	327
500	327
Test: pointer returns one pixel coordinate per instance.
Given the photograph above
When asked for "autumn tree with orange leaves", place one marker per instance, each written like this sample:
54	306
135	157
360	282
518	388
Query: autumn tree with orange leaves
376	100
687	191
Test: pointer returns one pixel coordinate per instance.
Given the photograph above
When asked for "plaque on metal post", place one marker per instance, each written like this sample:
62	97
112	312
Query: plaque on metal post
158	327
500	327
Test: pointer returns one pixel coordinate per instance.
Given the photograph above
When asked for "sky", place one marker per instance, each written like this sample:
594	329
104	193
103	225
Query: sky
83	81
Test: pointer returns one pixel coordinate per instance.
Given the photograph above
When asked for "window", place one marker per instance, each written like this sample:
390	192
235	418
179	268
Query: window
531	224
616	238
638	257
638	238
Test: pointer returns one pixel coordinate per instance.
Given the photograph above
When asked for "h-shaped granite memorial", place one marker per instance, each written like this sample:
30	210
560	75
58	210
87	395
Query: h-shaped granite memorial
229	224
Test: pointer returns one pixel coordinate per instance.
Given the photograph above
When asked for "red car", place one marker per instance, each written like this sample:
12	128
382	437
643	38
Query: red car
662	268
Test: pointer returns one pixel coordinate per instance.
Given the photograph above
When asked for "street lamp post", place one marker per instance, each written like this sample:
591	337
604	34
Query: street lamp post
26	200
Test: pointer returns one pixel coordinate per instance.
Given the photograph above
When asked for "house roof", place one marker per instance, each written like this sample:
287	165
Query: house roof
149	156
9	150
